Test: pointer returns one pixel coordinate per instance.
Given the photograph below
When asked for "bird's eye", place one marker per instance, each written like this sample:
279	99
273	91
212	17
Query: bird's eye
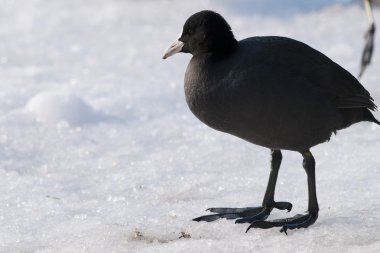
190	31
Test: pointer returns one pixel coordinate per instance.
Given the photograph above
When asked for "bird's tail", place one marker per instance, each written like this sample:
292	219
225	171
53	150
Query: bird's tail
368	116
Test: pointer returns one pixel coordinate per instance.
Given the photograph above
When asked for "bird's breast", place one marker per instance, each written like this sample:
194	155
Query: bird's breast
214	99
208	104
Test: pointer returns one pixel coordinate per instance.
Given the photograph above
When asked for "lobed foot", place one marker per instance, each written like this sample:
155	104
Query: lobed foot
298	221
243	215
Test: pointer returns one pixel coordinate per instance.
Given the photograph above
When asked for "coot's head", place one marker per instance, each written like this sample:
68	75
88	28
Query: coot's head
204	32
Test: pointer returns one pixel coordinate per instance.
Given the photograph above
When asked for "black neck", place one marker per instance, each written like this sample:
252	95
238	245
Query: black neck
225	46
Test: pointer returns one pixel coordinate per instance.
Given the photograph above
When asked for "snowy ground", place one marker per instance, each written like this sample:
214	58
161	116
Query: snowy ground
99	153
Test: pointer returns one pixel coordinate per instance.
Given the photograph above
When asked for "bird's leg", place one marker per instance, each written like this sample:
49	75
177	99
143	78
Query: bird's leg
369	36
300	220
268	201
250	214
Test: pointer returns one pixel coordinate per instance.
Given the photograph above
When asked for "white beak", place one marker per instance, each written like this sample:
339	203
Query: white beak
173	49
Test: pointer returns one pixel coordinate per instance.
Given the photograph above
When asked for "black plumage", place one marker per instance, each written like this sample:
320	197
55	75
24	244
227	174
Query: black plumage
272	91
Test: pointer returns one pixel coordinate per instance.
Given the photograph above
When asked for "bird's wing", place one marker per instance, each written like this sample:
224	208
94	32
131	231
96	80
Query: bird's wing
339	85
342	88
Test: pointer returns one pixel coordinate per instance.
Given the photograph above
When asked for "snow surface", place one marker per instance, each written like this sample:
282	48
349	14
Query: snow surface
99	152
53	107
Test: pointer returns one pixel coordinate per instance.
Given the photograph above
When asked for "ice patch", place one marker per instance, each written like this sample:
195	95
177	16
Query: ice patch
56	106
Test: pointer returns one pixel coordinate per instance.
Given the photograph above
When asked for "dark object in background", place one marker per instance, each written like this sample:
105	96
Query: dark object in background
272	91
369	36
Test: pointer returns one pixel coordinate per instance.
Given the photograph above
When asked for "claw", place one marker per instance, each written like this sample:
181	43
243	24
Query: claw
298	221
245	214
283	205
249	227
284	229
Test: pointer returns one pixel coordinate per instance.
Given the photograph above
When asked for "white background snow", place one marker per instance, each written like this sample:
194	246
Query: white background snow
99	152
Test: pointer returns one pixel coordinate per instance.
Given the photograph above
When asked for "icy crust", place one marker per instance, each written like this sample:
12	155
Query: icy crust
62	106
73	181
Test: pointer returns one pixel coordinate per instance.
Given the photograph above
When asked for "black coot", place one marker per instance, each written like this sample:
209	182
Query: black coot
272	91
